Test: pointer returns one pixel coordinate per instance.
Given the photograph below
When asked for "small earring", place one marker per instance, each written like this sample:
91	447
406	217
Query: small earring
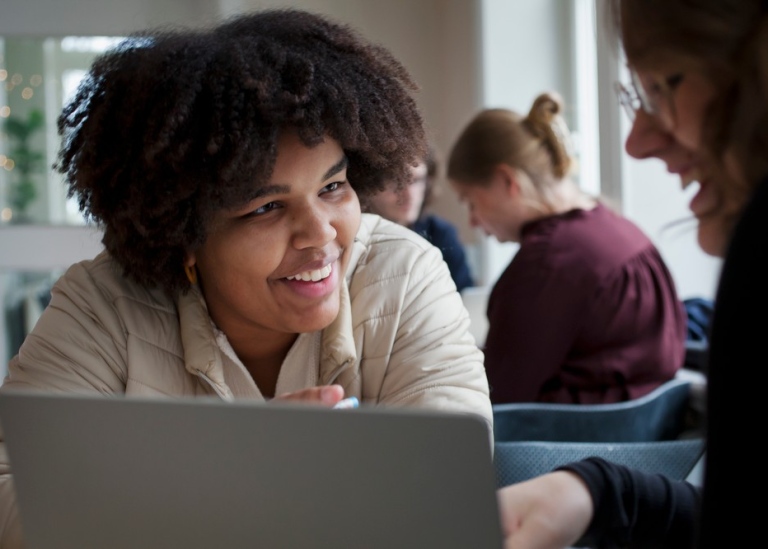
191	274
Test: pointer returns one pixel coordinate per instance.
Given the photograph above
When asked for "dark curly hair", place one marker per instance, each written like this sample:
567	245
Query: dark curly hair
174	125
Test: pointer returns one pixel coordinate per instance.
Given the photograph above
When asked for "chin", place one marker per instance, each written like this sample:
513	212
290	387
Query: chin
711	238
319	319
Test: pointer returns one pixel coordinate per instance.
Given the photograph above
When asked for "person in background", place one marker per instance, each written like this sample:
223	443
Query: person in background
587	311
698	97
407	205
225	167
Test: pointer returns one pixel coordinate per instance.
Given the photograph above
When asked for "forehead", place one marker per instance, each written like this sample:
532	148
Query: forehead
661	60
297	161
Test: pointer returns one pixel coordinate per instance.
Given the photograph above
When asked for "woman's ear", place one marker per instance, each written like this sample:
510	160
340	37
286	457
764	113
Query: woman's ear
506	176
189	268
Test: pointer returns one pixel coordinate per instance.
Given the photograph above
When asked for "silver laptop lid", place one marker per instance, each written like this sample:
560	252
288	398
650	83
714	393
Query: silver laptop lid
97	472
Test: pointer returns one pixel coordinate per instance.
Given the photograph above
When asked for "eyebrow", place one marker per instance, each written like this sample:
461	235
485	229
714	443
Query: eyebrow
336	168
277	189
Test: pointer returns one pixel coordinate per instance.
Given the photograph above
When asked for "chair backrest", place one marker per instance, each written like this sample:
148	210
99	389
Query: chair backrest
522	460
659	415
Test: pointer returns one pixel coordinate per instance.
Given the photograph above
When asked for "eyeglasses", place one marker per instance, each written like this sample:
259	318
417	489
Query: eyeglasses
634	97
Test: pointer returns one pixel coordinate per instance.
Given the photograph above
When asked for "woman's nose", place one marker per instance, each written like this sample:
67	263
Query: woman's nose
647	137
313	228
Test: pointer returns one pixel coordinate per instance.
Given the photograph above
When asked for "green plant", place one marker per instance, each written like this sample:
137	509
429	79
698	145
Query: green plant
27	161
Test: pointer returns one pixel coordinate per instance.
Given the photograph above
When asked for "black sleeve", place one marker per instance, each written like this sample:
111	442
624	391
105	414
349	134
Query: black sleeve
735	396
637	509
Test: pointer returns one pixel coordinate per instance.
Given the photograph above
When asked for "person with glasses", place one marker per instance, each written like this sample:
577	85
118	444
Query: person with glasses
698	97
408	205
587	311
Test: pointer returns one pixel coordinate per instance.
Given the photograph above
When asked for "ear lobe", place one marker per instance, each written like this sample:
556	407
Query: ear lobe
189	259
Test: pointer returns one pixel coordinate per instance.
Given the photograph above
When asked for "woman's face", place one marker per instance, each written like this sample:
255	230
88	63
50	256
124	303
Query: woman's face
276	264
403	205
491	207
673	134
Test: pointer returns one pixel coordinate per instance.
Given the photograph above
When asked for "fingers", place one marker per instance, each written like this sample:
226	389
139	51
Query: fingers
547	512
326	395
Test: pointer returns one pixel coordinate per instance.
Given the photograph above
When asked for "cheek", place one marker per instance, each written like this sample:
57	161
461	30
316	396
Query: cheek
688	130
480	213
692	109
484	207
418	190
255	255
349	218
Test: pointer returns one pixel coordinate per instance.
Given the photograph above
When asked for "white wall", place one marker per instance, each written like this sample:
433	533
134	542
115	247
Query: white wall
526	50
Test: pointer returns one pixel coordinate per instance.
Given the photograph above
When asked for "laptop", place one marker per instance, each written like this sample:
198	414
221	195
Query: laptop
118	472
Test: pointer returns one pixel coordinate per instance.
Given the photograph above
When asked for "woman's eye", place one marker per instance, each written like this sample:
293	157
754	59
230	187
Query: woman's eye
330	187
673	81
268	207
667	85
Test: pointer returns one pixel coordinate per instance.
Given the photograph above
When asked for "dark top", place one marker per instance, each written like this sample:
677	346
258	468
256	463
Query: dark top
639	505
443	235
587	312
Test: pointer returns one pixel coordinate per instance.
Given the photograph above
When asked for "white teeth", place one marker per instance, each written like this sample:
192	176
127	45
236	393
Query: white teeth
689	178
314	276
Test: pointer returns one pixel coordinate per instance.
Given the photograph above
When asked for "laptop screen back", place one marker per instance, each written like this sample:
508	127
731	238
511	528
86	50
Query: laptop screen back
94	472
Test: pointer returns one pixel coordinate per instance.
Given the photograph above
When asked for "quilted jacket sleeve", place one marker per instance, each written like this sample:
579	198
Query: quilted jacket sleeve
74	347
412	329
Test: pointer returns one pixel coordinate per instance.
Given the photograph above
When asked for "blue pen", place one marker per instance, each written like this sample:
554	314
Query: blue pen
350	402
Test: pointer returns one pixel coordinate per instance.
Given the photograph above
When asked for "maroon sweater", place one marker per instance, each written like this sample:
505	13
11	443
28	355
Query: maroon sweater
586	312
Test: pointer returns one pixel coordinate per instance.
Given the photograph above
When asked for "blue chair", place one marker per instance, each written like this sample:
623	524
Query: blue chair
522	460
662	414
654	433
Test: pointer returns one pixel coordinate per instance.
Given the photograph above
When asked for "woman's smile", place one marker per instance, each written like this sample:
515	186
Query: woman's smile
314	283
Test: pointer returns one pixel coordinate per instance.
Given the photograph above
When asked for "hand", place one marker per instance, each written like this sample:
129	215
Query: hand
551	511
325	395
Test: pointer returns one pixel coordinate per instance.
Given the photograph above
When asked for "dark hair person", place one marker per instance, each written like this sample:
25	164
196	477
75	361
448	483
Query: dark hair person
699	103
225	167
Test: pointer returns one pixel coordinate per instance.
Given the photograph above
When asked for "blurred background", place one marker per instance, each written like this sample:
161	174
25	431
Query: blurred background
464	54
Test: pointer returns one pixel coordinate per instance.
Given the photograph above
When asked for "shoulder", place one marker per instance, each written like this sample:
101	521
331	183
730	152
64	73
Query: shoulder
586	238
436	222
379	238
435	227
100	282
387	252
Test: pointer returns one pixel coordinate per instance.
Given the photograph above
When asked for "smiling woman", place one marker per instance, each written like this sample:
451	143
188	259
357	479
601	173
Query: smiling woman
274	268
710	58
225	167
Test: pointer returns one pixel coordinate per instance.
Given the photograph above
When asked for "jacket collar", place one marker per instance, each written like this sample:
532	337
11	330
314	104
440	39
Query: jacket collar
339	361
202	356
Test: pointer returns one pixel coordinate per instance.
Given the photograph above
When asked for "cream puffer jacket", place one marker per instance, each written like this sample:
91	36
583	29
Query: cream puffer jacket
401	339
